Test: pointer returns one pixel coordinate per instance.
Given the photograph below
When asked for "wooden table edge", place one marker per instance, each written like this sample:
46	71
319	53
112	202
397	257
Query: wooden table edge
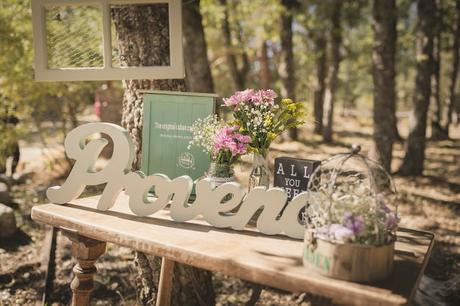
370	297
426	259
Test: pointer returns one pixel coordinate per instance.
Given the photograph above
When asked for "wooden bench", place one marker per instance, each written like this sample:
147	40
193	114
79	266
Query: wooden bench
275	261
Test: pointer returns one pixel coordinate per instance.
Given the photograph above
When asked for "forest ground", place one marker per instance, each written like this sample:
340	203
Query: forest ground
431	202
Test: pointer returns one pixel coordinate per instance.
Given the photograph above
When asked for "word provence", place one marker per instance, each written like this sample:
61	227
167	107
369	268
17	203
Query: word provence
216	205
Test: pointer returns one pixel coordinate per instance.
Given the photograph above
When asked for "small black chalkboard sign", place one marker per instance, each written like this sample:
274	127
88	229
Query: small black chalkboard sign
293	174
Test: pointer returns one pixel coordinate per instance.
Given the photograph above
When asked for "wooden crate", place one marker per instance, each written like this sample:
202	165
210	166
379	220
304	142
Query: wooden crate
349	261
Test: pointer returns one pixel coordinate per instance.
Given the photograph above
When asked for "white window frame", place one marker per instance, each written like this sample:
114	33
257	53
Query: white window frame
42	73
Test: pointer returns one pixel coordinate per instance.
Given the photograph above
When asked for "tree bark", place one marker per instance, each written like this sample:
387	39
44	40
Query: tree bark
286	68
265	75
329	98
415	145
451	98
237	77
198	73
143	37
385	15
392	115
246	66
320	45
437	132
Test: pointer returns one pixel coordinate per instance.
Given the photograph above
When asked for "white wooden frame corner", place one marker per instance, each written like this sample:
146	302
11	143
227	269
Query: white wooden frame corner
175	70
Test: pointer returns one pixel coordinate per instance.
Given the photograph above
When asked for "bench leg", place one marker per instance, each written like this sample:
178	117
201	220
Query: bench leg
86	251
165	284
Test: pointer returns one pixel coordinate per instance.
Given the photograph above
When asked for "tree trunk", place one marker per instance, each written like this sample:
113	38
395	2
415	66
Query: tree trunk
437	132
143	38
286	68
320	43
392	115
246	66
199	78
451	98
329	99
415	145
264	61
232	62
385	14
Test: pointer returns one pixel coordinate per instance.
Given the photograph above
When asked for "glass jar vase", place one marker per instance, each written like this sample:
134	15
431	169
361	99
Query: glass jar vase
259	173
221	173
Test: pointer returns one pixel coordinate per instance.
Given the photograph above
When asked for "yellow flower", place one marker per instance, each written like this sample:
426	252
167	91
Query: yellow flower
287	101
292	107
235	122
271	136
268	120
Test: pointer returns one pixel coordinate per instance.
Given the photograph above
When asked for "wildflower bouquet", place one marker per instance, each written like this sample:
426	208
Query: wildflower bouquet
349	218
260	118
223	143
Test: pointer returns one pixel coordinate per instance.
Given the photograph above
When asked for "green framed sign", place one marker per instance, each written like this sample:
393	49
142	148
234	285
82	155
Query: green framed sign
168	118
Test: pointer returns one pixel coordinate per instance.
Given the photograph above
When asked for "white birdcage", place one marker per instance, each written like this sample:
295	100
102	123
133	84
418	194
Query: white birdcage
351	218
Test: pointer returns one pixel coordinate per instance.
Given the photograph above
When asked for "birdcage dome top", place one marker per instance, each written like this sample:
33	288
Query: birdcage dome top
352	199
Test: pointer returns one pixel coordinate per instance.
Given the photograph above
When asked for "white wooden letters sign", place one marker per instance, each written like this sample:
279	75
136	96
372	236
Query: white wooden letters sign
209	201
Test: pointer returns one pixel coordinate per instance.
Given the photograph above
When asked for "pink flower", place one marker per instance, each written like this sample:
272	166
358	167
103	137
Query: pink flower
264	96
228	139
243	138
251	96
240	97
335	231
342	233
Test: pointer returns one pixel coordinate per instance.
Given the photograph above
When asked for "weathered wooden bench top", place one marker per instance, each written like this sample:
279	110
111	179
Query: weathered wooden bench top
275	261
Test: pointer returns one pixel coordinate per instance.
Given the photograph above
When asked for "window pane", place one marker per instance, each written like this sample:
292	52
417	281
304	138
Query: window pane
74	36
